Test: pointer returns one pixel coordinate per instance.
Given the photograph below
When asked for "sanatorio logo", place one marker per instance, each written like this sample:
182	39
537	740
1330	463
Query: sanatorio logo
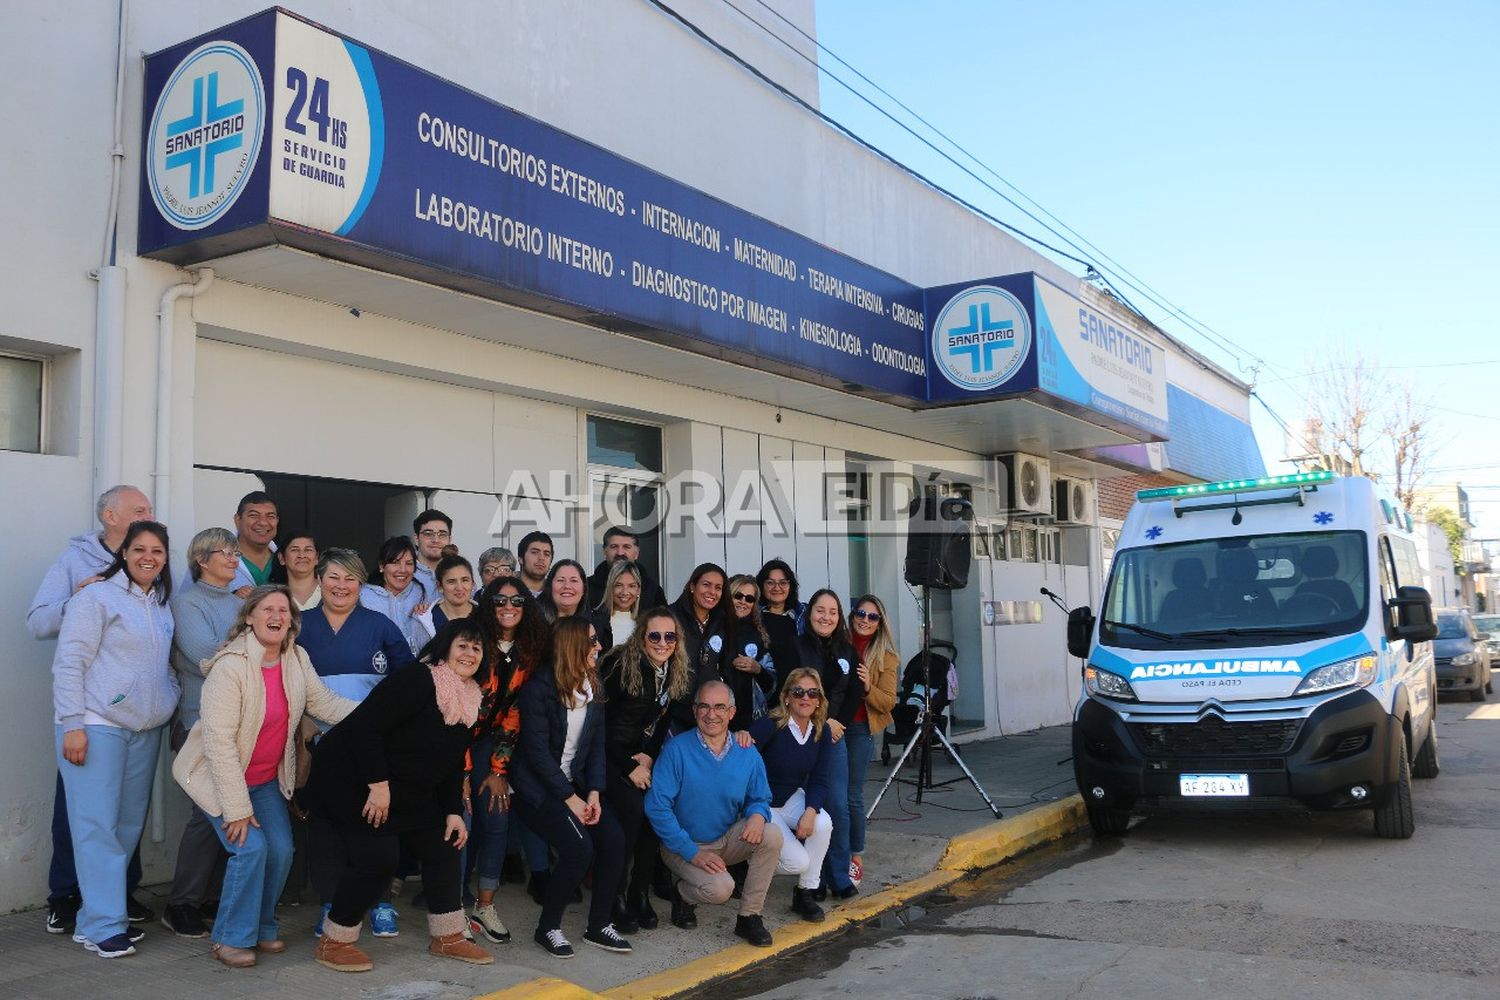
980	338
205	134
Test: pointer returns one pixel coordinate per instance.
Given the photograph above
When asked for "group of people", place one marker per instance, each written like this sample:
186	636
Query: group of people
425	719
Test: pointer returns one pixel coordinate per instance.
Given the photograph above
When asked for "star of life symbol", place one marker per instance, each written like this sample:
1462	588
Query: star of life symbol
205	135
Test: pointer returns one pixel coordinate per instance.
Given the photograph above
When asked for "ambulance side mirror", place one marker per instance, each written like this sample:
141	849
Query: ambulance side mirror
1411	613
1080	631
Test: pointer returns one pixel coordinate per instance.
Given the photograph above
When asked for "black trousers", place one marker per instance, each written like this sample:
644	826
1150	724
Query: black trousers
353	865
641	843
577	846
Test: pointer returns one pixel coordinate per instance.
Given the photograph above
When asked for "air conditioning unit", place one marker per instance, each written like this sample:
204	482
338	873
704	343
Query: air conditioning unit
1025	483
1073	501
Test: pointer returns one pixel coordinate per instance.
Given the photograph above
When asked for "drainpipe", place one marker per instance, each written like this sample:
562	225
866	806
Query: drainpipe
109	314
161	490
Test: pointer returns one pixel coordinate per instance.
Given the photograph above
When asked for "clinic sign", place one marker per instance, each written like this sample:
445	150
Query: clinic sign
274	130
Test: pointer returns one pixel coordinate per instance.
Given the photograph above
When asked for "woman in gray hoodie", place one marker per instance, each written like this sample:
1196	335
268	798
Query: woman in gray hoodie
113	691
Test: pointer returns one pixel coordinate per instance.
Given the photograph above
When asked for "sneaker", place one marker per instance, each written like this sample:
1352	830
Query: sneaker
135	934
138	912
115	947
486	921
856	872
554	943
397	884
63	914
184	921
383	921
609	939
318	930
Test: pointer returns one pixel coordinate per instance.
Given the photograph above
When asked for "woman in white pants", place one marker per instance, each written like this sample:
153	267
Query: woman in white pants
794	741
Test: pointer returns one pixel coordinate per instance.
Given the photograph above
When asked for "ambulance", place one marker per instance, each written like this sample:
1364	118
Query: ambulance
1261	643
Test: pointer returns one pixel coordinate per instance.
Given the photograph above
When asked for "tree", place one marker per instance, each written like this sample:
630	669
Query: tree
1453	528
1361	421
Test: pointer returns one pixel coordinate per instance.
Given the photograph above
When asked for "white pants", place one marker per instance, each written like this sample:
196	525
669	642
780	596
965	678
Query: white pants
803	858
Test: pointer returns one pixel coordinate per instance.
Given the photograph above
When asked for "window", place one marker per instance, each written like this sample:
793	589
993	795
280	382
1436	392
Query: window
625	485
857	511
21	381
623	445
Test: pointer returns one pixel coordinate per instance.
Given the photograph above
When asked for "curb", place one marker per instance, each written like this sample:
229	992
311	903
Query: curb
968	852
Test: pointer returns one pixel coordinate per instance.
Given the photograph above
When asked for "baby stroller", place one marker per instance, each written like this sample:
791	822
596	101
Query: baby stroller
909	697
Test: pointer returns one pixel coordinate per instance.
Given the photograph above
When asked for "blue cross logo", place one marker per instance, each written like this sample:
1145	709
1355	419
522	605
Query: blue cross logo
199	157
1323	517
981	355
1154	532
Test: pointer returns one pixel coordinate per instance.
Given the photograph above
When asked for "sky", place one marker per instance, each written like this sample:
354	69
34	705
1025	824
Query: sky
1307	180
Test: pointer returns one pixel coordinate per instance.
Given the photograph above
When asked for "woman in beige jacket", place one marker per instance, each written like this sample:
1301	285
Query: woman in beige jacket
239	765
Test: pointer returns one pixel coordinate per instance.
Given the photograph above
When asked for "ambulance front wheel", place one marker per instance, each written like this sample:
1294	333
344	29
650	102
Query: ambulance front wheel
1106	822
1394	819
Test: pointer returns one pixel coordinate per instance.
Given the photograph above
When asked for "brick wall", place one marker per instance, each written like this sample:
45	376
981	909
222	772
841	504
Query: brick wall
1117	494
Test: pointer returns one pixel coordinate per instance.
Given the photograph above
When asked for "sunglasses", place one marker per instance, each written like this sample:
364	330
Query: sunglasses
744	598
801	692
514	600
662	636
869	616
594	641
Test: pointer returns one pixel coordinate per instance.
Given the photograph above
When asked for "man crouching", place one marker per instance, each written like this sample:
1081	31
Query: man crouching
710	804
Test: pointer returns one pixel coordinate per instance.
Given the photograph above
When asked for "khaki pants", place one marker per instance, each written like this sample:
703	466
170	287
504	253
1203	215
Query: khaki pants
699	886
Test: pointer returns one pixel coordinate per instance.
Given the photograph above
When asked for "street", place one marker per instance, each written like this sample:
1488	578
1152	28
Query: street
1229	906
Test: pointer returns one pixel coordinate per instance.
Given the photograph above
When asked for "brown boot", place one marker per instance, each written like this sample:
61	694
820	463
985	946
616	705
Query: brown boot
459	947
337	950
448	941
235	958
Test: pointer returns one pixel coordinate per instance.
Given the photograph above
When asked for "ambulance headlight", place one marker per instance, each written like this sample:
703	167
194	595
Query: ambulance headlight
1355	673
1463	659
1106	684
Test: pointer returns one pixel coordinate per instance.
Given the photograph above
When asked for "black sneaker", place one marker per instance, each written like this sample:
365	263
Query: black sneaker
609	939
752	929
554	943
184	921
63	914
115	947
135	934
138	912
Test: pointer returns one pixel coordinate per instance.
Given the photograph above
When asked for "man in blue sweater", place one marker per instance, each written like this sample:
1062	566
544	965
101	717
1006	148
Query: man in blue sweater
710	804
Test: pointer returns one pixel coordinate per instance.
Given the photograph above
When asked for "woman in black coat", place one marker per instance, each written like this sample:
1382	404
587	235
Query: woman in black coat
390	777
749	666
700	619
642	679
558	775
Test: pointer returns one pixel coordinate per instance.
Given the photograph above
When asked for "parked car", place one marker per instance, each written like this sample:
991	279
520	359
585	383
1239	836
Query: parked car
1490	624
1462	653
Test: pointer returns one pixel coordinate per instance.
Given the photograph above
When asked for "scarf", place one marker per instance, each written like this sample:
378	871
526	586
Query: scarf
457	698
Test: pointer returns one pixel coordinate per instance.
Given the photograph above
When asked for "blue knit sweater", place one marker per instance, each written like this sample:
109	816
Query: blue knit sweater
791	765
695	799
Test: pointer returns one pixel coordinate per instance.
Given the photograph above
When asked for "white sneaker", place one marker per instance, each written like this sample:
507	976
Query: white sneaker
486	921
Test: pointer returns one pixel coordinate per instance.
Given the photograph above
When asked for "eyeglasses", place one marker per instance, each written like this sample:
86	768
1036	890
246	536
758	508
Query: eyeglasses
662	636
743	598
800	692
716	709
771	581
873	617
432	533
514	600
232	553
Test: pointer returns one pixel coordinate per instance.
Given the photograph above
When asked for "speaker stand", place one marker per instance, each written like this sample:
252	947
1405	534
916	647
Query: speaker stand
926	730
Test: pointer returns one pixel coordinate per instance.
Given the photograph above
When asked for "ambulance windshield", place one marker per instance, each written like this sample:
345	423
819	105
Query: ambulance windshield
1248	591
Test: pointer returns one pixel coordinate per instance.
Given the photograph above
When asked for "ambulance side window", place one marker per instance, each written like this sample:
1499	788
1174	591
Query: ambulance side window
1388	580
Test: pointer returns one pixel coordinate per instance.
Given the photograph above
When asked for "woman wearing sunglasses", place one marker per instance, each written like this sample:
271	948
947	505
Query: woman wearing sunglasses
879	667
796	743
641	680
515	640
559	777
749	668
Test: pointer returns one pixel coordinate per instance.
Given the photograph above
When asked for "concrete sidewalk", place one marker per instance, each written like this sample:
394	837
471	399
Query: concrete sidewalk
906	844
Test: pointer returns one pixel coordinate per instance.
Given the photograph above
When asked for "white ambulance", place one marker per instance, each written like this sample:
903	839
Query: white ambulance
1261	643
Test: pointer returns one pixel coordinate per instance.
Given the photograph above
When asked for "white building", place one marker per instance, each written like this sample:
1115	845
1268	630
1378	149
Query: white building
669	283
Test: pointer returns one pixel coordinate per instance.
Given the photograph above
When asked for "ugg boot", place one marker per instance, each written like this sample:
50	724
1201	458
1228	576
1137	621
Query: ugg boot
448	941
336	949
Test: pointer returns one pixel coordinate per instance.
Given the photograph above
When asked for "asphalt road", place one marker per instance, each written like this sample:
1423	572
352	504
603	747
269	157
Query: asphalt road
1188	907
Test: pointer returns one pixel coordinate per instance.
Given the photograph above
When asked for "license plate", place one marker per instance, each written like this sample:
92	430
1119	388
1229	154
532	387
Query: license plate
1198	785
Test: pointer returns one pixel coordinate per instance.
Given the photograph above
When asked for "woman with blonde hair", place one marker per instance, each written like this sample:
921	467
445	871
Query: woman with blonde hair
619	609
878	670
239	763
642	678
796	743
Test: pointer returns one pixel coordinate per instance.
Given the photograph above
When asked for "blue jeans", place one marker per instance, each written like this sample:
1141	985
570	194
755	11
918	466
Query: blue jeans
107	796
836	864
62	877
488	830
256	871
861	743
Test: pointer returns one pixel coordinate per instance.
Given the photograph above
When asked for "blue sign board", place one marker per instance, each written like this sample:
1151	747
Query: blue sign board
276	130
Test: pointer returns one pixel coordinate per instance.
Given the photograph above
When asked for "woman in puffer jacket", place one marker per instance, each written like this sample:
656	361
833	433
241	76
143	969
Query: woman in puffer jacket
239	766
